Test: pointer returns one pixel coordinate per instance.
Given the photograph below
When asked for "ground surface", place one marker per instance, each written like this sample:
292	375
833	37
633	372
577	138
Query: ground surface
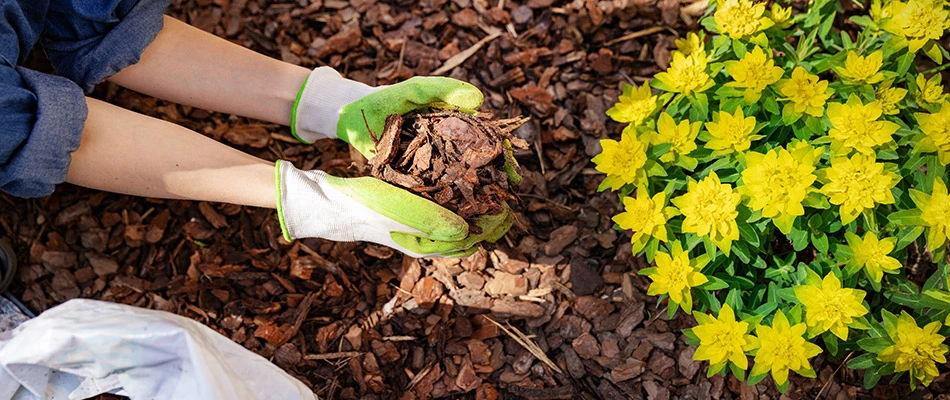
316	308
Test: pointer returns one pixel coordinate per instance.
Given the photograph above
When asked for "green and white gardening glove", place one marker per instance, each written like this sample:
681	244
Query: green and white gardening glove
331	106
313	204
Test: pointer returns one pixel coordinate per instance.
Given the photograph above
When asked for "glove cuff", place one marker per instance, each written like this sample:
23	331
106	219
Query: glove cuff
316	111
304	197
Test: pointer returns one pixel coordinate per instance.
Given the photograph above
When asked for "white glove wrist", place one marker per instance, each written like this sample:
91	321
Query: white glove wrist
317	109
310	207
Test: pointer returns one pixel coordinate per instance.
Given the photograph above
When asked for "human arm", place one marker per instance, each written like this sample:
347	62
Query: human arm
125	152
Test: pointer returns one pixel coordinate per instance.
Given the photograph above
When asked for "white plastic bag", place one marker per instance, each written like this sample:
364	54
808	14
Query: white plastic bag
82	348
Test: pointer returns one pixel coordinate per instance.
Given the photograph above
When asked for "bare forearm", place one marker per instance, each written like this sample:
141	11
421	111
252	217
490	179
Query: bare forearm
189	66
125	152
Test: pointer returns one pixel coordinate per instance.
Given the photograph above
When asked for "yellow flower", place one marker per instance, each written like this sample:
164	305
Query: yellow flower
917	21
858	183
634	106
929	91
872	254
782	348
675	274
915	349
681	136
856	126
740	18
723	339
732	132
859	69
644	216
686	74
753	72
828	306
936	129
805	93
710	210
776	183
692	43
622	161
780	16
935	213
890	98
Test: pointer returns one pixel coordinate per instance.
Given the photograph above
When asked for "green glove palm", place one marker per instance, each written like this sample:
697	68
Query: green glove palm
414	94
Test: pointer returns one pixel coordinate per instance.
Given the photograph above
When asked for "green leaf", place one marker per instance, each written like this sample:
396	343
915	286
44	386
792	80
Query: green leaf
700	107
799	239
748	233
903	63
820	240
738	372
906	217
874	345
738	48
741	251
863	361
872	376
714	283
932	50
753	380
907	236
831	342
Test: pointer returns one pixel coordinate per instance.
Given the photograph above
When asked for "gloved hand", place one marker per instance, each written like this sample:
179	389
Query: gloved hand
331	106
315	204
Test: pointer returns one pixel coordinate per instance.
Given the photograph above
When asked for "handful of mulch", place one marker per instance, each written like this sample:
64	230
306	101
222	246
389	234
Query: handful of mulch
461	161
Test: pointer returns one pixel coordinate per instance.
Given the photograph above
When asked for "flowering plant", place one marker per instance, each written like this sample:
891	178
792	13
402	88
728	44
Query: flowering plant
782	175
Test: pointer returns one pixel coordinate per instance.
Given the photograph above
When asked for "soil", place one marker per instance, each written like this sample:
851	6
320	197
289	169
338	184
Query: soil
553	310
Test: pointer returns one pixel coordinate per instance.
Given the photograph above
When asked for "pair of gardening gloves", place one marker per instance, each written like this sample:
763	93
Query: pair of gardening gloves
313	204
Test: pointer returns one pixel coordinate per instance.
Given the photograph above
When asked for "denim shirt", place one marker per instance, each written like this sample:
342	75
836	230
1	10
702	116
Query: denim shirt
42	115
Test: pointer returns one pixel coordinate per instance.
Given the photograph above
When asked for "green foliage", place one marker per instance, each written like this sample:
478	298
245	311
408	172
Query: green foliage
781	189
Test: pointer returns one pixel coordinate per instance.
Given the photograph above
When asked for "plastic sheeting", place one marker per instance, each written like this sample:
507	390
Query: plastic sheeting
83	348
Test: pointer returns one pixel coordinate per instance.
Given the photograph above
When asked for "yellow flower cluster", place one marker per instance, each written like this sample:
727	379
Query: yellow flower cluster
687	74
781	348
622	161
857	126
776	183
936	128
829	307
872	254
635	105
916	21
675	274
805	93
710	210
857	184
740	18
860	69
731	132
645	216
916	350
935	213
753	72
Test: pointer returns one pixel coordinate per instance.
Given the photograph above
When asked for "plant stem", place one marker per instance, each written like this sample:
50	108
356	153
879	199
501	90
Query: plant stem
936	69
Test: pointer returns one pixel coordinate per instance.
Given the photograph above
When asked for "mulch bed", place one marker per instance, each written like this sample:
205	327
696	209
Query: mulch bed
355	320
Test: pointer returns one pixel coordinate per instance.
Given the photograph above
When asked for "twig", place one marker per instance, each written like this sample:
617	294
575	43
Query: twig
832	377
284	138
459	58
332	356
300	315
529	345
634	35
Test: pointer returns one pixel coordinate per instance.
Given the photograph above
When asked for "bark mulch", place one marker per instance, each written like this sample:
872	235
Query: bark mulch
554	310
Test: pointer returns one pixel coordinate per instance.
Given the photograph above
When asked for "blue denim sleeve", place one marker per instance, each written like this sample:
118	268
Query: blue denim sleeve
89	41
41	121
